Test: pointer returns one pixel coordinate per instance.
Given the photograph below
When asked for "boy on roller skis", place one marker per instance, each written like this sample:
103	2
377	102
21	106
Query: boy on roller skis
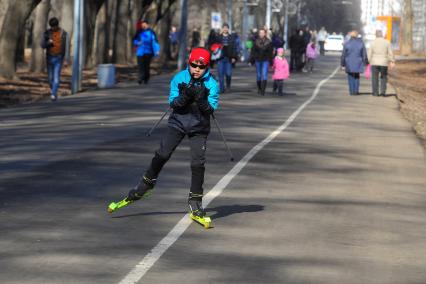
194	96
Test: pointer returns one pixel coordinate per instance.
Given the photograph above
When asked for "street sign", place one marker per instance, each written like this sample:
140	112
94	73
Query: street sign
216	20
277	5
292	8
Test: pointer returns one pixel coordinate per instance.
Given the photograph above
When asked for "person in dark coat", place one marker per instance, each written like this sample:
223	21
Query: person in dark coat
297	47
229	55
262	56
353	60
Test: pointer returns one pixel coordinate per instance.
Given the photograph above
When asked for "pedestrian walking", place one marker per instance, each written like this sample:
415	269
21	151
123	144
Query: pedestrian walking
194	96
173	42
196	38
322	36
297	48
311	55
281	71
277	41
353	60
262	55
211	39
381	57
248	45
146	48
212	46
229	55
55	42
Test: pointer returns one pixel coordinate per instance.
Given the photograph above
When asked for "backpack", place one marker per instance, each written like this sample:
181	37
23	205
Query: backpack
216	50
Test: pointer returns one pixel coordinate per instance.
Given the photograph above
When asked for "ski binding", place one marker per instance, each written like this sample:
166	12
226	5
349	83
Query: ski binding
204	221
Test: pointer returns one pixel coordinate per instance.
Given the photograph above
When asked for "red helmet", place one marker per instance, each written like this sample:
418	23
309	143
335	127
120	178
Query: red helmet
200	54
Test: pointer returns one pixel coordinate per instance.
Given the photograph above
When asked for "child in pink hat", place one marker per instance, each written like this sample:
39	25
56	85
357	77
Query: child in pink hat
281	71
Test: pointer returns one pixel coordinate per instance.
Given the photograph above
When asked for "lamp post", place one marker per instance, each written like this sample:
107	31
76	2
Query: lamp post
229	14
182	34
286	25
77	66
268	14
245	28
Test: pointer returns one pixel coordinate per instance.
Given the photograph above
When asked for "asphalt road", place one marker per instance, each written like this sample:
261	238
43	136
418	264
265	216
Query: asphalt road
338	197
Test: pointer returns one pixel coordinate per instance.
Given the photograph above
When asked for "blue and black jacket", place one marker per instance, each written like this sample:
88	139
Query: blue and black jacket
193	101
146	43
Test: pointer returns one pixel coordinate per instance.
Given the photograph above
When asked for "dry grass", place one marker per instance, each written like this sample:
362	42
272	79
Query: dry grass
31	87
409	80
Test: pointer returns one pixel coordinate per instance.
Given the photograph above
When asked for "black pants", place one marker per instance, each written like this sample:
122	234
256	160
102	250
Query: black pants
197	144
278	84
144	63
173	51
375	71
296	61
322	50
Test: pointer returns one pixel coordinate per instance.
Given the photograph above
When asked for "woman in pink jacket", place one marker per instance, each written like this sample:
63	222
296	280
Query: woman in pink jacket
281	71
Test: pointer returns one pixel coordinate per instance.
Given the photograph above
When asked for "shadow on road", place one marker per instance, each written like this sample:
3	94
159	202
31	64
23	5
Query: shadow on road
221	211
149	214
225	211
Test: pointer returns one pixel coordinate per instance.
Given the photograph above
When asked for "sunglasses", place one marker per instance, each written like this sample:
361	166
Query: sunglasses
193	65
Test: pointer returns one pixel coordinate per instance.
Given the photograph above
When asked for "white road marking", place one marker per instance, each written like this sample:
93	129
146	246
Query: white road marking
148	261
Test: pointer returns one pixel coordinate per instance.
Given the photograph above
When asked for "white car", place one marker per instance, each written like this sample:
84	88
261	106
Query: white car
334	43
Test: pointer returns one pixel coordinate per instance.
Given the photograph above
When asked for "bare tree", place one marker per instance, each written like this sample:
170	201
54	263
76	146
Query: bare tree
67	20
38	62
102	35
120	36
91	11
13	26
407	29
164	22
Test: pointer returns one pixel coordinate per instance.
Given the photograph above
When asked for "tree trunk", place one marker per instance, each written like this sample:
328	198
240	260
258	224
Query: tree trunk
20	48
102	35
67	21
38	61
12	29
120	36
165	26
91	11
134	18
407	29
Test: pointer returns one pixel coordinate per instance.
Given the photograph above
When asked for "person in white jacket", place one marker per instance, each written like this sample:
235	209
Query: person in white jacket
380	57
322	36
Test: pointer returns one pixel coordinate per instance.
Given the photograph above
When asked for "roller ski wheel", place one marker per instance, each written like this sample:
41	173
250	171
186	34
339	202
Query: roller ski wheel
206	222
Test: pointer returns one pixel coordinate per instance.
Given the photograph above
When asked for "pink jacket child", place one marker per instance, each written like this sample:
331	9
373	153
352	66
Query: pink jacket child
311	51
280	66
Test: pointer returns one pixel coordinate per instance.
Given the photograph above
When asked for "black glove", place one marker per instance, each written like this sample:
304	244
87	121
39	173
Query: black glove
184	97
203	103
201	92
205	107
196	91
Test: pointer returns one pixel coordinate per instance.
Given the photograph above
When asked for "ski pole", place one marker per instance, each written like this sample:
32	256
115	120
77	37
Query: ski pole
158	122
223	138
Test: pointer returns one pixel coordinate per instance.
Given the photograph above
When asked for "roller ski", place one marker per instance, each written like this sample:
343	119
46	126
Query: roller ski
197	213
142	190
